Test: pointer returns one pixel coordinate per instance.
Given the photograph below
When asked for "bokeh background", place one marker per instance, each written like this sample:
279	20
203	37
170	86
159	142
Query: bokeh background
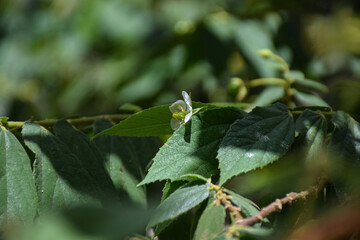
61	58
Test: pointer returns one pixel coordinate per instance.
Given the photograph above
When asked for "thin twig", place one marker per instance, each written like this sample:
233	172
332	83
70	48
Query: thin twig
276	206
74	121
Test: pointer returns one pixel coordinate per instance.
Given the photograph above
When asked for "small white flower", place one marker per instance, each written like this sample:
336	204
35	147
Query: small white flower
181	111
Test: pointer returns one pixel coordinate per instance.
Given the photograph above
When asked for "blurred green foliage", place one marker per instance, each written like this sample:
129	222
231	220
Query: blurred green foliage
72	57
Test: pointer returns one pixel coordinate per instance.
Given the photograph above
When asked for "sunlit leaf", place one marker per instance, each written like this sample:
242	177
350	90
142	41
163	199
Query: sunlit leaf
192	148
260	138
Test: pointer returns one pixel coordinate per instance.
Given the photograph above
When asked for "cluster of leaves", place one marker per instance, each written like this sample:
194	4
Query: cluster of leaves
94	179
291	87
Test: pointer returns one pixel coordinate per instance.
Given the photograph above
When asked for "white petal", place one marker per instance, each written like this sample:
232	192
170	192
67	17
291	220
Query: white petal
176	106
175	124
187	117
187	100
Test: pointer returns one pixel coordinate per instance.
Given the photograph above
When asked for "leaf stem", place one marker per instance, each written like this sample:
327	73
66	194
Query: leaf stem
266	81
325	113
73	121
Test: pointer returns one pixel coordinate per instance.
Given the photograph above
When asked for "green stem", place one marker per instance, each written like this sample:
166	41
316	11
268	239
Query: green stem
267	53
267	81
73	121
282	62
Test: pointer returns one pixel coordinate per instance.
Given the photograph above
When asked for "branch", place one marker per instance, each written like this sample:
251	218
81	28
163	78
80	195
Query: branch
73	121
277	205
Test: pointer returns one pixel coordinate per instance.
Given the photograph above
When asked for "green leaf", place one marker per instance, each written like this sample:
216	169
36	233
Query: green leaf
87	223
269	95
211	222
249	233
87	153
192	177
3	120
129	107
312	84
344	149
179	228
229	104
139	237
312	128
168	189
250	36
312	108
60	178
309	99
294	75
126	159
162	226
135	153
171	187
153	121
18	200
257	233
220	26
181	201
248	207
224	237
192	148
345	139
300	79
128	183
260	138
